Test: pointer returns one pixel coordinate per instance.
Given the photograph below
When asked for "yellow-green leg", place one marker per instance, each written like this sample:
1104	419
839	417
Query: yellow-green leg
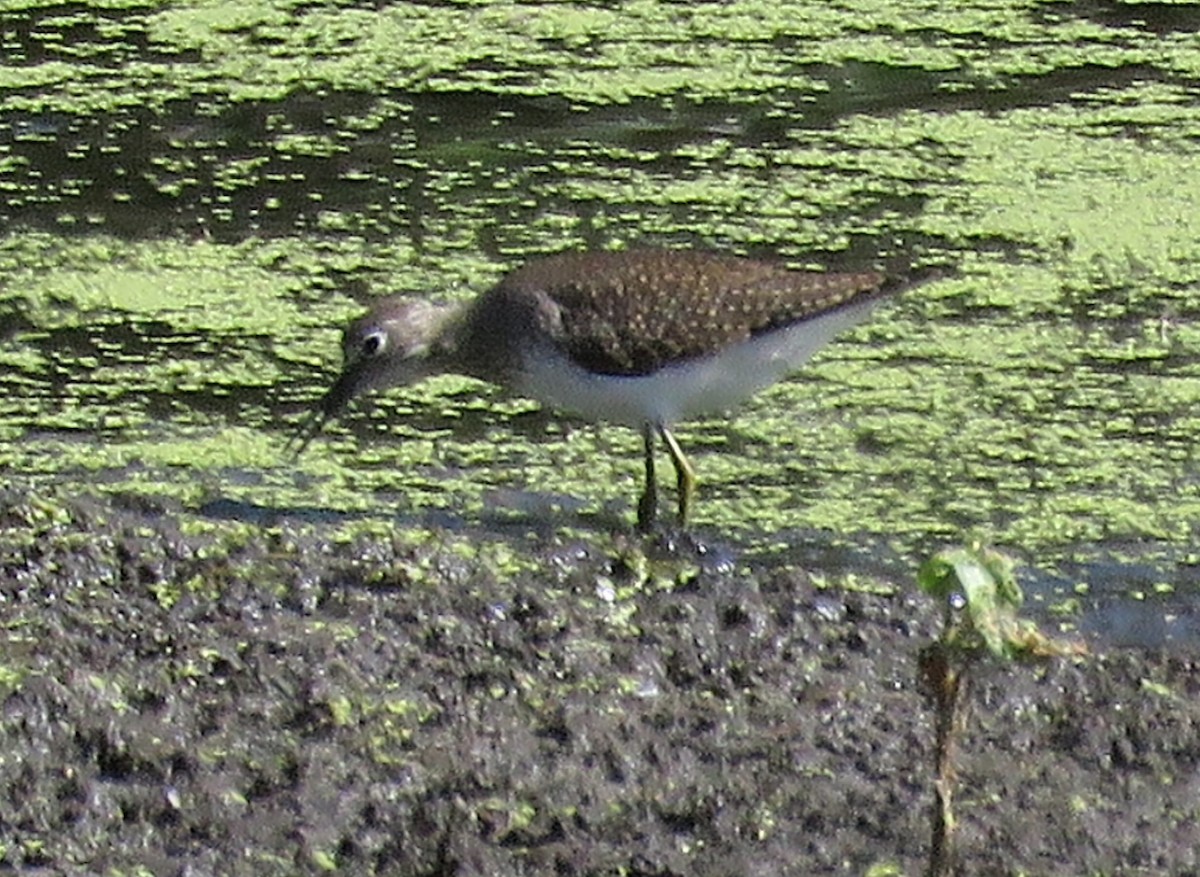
685	475
648	503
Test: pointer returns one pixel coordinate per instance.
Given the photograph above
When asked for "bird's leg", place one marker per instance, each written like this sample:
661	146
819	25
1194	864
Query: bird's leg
685	475
648	503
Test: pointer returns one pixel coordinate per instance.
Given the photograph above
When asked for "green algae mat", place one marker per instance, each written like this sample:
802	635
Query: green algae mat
196	196
431	643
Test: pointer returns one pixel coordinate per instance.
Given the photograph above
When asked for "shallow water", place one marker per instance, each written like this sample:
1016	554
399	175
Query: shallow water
196	197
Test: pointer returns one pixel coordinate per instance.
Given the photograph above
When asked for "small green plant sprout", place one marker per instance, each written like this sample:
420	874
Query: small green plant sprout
981	601
981	598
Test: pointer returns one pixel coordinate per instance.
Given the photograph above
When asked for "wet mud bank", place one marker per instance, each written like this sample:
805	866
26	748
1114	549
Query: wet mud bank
191	699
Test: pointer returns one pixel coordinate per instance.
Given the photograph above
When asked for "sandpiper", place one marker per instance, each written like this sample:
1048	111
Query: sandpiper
643	338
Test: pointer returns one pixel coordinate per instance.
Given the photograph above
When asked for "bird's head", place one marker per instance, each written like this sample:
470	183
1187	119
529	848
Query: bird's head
391	346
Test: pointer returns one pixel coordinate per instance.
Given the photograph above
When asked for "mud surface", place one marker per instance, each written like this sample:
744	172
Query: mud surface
175	703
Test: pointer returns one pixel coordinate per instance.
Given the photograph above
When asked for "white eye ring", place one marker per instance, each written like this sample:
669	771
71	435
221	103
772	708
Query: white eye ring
373	344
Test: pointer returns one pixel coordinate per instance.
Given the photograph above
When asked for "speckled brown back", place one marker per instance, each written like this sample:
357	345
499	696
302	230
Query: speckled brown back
631	313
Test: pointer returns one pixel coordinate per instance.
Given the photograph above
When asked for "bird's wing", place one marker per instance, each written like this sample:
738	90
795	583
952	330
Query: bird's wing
634	312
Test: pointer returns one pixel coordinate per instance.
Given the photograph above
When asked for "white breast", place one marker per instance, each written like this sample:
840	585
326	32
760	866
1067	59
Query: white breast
678	392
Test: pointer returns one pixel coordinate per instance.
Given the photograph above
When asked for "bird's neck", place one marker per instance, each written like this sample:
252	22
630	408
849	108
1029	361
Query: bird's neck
452	342
476	341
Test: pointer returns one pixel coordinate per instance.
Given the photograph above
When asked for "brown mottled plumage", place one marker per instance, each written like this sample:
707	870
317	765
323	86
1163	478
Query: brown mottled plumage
632	313
644	338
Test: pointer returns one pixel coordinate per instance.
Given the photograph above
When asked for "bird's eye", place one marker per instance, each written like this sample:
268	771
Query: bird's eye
373	343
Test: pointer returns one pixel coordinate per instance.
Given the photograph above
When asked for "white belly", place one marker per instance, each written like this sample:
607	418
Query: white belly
678	392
